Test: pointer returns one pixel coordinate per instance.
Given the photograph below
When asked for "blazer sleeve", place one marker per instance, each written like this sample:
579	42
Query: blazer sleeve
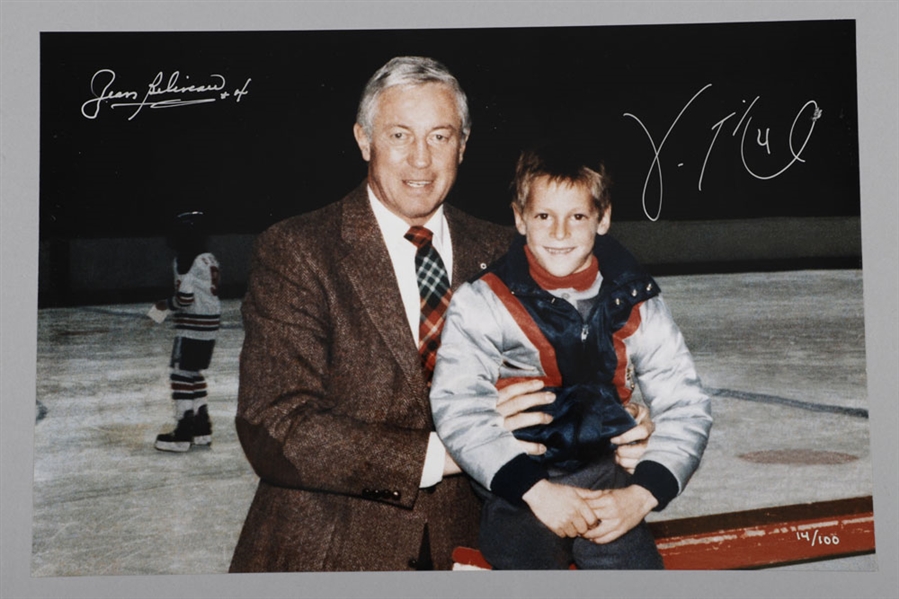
294	430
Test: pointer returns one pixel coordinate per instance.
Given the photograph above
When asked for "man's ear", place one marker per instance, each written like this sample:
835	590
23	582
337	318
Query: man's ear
605	222
462	147
362	141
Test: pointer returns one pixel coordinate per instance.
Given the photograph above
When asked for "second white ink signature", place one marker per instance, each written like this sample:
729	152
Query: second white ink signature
762	140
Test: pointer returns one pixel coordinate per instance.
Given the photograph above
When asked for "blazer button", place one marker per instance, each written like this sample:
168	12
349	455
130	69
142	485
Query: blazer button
413	563
395	495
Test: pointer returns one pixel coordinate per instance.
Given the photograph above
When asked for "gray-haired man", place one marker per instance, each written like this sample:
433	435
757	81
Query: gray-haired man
333	409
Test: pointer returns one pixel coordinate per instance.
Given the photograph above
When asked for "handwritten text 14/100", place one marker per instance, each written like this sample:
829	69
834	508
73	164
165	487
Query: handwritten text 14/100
819	540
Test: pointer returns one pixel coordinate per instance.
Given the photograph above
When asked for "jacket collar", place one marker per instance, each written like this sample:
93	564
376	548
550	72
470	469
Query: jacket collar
616	265
363	240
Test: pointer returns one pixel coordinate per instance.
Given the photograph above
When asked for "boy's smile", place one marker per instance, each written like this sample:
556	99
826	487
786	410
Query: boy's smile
560	223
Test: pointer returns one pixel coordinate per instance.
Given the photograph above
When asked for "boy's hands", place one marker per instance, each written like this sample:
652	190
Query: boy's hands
618	511
632	444
599	516
563	509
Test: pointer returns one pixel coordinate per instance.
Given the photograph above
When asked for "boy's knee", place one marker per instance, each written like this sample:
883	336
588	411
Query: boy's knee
635	550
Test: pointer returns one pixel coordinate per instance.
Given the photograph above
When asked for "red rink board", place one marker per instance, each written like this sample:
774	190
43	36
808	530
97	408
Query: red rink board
755	538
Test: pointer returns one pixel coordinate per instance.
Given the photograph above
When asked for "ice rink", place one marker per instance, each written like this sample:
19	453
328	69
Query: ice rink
783	355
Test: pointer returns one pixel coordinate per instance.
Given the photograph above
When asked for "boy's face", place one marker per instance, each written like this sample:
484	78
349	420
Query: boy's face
560	223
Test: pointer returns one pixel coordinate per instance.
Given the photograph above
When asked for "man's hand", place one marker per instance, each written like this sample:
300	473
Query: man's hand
511	404
618	511
518	397
632	444
561	508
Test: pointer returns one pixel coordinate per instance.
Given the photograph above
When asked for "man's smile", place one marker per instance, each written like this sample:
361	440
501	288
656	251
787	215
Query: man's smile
417	182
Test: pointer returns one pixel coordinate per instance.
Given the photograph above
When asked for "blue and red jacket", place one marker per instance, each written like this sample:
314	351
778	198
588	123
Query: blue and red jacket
504	327
579	355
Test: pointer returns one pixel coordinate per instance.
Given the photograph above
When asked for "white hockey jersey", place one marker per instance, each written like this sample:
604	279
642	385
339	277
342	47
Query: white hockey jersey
196	304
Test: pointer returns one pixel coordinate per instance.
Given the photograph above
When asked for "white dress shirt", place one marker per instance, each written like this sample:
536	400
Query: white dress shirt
402	256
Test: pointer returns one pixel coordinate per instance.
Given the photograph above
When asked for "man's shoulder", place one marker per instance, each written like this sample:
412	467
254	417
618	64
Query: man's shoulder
474	223
322	223
473	230
302	225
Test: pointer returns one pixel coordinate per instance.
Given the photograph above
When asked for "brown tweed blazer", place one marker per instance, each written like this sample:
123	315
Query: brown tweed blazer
333	409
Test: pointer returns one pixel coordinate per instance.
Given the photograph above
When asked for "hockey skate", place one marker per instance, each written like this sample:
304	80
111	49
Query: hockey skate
202	433
180	439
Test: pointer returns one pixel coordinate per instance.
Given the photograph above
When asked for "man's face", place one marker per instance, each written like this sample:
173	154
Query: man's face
415	149
560	223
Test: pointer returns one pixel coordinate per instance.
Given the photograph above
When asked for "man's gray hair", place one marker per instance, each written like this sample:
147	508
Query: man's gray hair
409	70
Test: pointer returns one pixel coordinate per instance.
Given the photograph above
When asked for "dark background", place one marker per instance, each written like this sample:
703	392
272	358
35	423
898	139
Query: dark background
287	146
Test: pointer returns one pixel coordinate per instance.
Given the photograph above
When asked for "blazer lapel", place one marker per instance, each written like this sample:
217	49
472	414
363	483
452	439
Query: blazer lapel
370	272
469	255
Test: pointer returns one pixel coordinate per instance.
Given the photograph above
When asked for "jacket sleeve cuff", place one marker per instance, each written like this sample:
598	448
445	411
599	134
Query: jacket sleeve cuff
516	478
432	473
658	480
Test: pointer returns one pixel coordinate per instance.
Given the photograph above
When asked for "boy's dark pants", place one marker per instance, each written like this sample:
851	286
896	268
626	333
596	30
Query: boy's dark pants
512	538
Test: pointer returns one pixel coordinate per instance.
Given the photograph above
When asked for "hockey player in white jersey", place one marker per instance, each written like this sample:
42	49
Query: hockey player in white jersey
196	311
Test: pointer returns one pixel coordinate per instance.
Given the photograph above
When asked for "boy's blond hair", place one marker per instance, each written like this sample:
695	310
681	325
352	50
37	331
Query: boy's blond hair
561	166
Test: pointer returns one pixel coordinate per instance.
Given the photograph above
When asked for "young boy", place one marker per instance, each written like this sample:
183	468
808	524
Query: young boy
571	307
197	312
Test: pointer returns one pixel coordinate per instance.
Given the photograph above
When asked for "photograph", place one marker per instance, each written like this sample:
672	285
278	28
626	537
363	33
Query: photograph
327	304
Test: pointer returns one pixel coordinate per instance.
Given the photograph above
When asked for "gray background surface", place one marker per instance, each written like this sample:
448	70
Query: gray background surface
877	28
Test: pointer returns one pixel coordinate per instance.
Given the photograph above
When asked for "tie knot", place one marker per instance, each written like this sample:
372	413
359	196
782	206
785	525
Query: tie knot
420	236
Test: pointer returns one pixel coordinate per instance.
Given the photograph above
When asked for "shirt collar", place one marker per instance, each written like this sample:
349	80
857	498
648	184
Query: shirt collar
395	228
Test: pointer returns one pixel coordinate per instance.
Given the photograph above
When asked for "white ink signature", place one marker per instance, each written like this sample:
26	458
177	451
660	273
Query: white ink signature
761	141
175	94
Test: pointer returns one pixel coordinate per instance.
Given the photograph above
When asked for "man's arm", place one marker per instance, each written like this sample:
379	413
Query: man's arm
302	424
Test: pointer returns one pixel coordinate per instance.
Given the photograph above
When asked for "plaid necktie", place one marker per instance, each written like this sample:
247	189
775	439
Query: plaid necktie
433	285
